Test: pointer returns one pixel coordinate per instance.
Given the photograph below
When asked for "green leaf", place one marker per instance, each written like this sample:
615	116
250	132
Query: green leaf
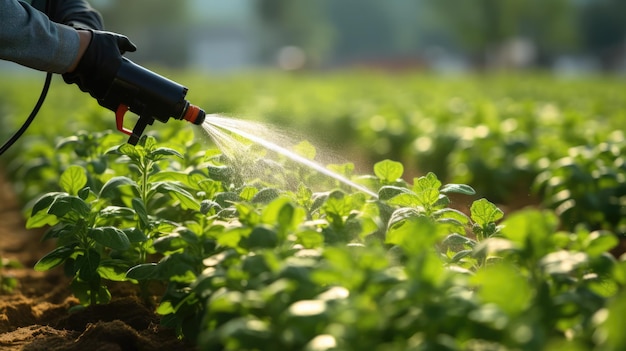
484	212
226	301
226	199
86	293
613	325
504	286
455	240
563	261
110	237
165	308
87	265
110	188
209	207
427	197
248	332
41	219
460	255
495	246
84	194
209	186
169	243
451	214
599	242
176	268
414	234
163	152
310	238
98	166
283	213
148	142
81	291
427	182
116	212
389	191
54	258
171	176
400	215
189	235
142	272
265	195
272	212
60	230
339	204
113	269
220	173
71	141
248	192
287	216
260	237
103	295
63	205
73	179
458	189
532	230
140	210
231	237
405	200
135	153
388	171
135	235
187	201
44	202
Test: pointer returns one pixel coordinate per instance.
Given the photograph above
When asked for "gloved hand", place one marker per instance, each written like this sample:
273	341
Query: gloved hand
98	66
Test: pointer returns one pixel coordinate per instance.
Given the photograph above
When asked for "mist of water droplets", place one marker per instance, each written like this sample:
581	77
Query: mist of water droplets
227	134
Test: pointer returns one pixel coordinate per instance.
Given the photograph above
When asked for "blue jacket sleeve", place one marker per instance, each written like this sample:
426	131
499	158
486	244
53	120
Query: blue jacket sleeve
29	38
75	13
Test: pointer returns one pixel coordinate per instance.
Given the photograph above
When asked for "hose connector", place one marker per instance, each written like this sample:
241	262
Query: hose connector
194	114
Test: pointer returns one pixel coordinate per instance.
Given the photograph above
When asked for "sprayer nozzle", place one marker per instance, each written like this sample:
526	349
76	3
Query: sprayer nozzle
194	114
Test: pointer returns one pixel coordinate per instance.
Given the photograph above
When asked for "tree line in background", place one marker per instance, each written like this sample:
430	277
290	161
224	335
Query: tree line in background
478	28
341	32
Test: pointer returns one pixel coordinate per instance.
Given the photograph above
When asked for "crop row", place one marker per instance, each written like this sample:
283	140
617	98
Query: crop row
516	140
251	264
259	264
257	252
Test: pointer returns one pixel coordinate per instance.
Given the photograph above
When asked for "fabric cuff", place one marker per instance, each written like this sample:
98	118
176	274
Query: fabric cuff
67	51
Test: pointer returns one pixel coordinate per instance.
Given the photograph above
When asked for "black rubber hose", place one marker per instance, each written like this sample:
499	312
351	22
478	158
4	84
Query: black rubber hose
31	117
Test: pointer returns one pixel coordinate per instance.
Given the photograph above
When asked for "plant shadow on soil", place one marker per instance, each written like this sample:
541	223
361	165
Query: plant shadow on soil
36	316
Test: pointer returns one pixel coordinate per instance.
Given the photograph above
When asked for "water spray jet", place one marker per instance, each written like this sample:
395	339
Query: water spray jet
216	125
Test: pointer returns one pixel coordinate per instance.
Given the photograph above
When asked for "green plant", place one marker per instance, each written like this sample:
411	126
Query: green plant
85	244
283	259
104	231
8	283
588	187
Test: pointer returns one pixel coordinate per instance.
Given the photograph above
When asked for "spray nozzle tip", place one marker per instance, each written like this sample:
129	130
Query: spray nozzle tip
194	114
201	116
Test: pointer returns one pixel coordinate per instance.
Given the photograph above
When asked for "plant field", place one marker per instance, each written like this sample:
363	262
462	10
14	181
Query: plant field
500	211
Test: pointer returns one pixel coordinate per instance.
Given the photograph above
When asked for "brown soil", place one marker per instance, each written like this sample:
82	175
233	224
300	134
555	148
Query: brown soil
36	315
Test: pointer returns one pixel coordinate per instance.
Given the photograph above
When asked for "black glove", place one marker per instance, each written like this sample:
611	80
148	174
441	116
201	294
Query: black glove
99	65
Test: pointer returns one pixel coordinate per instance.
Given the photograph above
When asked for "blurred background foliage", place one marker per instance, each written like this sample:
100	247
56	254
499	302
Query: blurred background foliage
442	35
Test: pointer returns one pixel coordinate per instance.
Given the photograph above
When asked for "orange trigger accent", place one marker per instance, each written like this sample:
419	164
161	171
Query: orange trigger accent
119	119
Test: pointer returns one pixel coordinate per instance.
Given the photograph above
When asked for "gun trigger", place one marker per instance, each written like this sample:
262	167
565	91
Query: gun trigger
119	119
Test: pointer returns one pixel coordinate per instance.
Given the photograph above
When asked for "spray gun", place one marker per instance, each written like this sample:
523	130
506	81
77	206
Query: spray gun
148	95
133	88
